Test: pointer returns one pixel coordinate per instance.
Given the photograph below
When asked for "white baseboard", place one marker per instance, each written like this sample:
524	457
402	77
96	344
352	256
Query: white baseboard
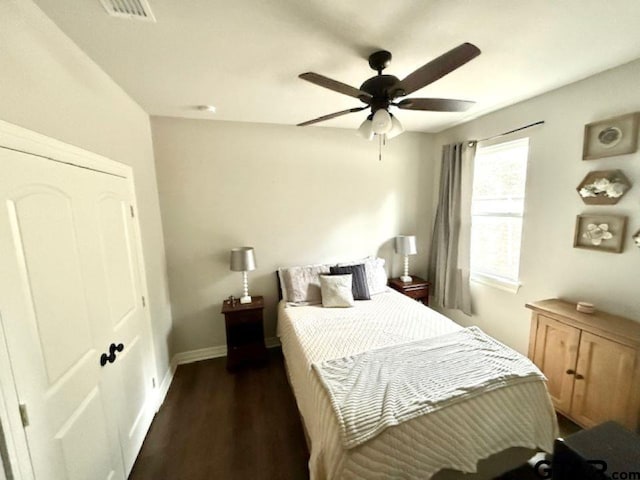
191	356
199	354
164	385
272	342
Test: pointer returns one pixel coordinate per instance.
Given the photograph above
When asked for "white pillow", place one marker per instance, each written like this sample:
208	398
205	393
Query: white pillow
336	290
376	274
301	284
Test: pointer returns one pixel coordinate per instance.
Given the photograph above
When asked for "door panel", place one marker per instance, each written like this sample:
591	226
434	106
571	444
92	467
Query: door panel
556	353
605	392
134	384
83	433
113	215
51	276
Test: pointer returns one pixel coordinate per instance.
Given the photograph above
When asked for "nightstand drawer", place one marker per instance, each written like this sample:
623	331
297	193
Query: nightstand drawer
248	316
416	292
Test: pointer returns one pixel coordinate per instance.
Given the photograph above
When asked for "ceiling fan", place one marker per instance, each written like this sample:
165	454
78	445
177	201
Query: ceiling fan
381	91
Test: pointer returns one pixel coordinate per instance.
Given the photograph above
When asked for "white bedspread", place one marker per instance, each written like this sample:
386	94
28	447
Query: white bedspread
455	437
377	389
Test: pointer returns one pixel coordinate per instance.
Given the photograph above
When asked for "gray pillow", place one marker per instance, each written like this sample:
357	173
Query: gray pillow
336	290
359	285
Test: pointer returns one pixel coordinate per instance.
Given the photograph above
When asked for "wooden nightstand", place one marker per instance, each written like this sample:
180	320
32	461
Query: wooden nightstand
245	333
417	288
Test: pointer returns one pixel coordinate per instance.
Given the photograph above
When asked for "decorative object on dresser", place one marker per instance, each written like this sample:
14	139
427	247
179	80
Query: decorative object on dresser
603	187
611	137
591	361
417	289
243	260
245	332
600	232
406	245
585	307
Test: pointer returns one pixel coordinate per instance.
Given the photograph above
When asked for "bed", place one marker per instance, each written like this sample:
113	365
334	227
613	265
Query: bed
485	436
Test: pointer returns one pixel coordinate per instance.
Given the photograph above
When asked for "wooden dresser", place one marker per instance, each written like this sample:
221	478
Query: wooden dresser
592	362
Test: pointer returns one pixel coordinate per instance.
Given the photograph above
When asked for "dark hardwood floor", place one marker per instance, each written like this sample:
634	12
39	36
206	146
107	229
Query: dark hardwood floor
245	425
218	425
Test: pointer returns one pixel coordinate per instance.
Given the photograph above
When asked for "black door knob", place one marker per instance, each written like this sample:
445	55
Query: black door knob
104	358
113	348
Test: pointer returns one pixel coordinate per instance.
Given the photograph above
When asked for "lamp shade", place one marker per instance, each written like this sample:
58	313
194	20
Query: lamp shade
406	245
242	259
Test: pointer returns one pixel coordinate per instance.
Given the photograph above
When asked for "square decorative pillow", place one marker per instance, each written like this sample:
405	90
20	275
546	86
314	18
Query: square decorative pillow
301	285
376	274
359	285
336	290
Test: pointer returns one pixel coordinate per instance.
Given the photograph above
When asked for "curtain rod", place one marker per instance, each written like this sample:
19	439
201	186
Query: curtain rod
471	142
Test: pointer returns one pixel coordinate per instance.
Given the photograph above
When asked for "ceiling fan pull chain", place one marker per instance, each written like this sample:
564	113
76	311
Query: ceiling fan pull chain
380	147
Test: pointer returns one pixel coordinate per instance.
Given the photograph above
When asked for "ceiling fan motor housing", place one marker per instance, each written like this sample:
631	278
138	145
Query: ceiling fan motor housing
379	60
383	89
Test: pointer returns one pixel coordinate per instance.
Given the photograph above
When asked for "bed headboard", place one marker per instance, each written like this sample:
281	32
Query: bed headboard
279	286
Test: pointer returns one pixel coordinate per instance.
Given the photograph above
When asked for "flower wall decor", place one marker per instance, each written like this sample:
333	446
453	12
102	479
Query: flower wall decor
600	232
603	187
636	238
597	233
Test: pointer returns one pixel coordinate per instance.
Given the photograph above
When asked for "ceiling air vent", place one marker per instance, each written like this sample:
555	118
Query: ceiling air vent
129	9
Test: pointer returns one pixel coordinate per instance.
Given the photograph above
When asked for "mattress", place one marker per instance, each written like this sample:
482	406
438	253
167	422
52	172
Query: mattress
456	437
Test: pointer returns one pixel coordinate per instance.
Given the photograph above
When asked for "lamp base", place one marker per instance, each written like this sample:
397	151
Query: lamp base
403	279
245	299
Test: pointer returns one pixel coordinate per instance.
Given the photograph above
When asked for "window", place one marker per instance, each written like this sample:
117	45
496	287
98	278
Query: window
497	207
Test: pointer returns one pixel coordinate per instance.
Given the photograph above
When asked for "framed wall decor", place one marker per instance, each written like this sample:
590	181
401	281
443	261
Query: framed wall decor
600	232
610	137
636	238
603	187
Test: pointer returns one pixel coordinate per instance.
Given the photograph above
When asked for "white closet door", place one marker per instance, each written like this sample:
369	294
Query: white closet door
132	387
68	289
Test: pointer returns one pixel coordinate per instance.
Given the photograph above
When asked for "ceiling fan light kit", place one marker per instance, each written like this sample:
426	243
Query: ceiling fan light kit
380	92
366	128
381	122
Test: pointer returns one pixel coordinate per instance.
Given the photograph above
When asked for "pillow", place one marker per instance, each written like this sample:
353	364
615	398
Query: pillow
336	290
359	285
376	274
301	285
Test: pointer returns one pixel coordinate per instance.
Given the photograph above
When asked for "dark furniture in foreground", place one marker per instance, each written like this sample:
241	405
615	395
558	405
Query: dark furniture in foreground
607	451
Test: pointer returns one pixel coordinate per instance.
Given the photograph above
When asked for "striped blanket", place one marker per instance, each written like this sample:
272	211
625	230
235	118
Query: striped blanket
379	388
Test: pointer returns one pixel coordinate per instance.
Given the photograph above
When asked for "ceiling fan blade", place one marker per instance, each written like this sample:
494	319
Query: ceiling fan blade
331	115
435	104
336	86
438	68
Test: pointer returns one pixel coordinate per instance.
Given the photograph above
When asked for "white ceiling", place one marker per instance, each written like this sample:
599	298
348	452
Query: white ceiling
244	56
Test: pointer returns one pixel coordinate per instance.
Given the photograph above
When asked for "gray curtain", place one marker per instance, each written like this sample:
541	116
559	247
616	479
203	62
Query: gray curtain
449	261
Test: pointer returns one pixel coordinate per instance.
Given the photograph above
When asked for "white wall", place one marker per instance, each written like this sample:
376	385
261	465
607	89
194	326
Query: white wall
47	84
550	266
298	195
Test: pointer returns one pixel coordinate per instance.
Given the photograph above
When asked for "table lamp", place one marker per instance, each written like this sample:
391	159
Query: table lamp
406	245
243	260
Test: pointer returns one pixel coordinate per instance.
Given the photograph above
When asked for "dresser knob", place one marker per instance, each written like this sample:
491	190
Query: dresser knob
579	377
571	372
